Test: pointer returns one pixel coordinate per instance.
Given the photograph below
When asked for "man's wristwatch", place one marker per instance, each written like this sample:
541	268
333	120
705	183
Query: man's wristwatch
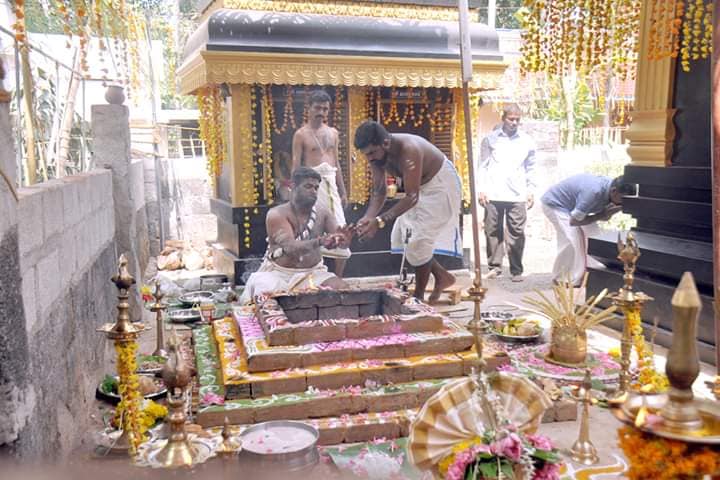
380	222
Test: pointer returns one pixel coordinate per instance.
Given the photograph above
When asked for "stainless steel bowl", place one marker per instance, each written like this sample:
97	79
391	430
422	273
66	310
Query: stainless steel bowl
302	459
194	298
185	315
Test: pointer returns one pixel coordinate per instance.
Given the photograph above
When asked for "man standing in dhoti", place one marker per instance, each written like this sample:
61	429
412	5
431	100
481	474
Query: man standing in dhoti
315	145
297	230
430	208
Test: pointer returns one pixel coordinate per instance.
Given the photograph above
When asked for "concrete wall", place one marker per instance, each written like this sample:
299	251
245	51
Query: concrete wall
59	244
67	256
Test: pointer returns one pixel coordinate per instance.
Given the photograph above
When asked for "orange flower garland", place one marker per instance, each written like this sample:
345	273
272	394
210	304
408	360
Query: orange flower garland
652	457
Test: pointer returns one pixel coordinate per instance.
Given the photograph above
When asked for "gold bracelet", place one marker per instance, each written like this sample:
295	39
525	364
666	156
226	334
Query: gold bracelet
380	222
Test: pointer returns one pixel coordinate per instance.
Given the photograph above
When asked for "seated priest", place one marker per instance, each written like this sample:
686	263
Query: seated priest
296	231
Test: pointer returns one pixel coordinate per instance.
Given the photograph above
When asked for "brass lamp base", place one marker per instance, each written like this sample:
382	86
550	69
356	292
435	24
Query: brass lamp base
584	452
177	454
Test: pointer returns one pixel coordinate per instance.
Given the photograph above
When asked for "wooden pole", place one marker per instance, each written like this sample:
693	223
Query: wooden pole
716	185
476	292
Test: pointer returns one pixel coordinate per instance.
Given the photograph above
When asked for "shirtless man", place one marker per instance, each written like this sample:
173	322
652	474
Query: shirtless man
430	209
315	145
297	230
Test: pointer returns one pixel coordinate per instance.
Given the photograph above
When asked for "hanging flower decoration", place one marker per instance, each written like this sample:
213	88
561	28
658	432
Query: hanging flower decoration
212	128
359	101
661	459
561	36
19	25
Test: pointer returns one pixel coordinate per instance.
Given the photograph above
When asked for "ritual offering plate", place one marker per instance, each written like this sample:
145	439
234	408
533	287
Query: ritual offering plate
499	313
518	330
194	298
185	315
648	408
280	445
151	388
150	364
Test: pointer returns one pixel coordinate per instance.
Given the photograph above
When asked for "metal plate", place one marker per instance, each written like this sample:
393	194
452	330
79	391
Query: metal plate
114	398
297	460
185	316
194	298
709	412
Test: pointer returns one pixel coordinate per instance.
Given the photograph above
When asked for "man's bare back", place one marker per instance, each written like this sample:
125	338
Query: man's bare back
283	223
312	147
412	148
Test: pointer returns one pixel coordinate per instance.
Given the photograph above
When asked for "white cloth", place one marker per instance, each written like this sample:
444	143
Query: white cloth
329	200
506	170
271	277
571	259
434	221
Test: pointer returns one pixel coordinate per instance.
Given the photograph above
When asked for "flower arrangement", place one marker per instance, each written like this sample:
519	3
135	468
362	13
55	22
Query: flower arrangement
570	320
653	457
531	456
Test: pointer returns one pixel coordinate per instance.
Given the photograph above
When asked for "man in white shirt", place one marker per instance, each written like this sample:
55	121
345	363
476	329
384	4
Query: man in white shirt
506	184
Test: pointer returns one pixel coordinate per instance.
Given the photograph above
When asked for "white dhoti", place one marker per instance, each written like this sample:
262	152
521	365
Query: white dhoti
329	200
434	221
571	260
271	277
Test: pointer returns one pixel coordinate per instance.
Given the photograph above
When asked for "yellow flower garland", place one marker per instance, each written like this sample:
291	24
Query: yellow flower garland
459	145
459	447
648	377
358	103
127	413
212	128
348	8
561	36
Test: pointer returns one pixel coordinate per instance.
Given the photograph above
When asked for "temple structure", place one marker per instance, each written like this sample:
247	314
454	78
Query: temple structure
394	62
670	141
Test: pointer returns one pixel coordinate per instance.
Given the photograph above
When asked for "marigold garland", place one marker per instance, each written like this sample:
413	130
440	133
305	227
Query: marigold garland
212	128
348	8
561	36
359	99
649	377
652	457
458	140
127	412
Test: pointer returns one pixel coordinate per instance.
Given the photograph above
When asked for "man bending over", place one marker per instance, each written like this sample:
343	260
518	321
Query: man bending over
296	233
430	209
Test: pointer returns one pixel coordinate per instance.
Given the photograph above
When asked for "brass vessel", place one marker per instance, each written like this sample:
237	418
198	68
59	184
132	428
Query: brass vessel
568	346
683	364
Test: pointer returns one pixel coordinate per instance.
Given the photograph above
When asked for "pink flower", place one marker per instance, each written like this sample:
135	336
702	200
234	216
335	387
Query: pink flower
540	442
549	471
509	446
212	399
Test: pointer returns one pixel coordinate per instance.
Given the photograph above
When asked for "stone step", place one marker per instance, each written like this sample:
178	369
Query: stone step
316	403
332	315
361	427
222	370
245	330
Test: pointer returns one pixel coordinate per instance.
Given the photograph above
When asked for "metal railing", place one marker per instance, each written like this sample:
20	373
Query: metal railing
601	135
52	83
174	141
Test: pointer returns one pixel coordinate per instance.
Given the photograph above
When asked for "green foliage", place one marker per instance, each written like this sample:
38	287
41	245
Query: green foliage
505	11
38	21
553	106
